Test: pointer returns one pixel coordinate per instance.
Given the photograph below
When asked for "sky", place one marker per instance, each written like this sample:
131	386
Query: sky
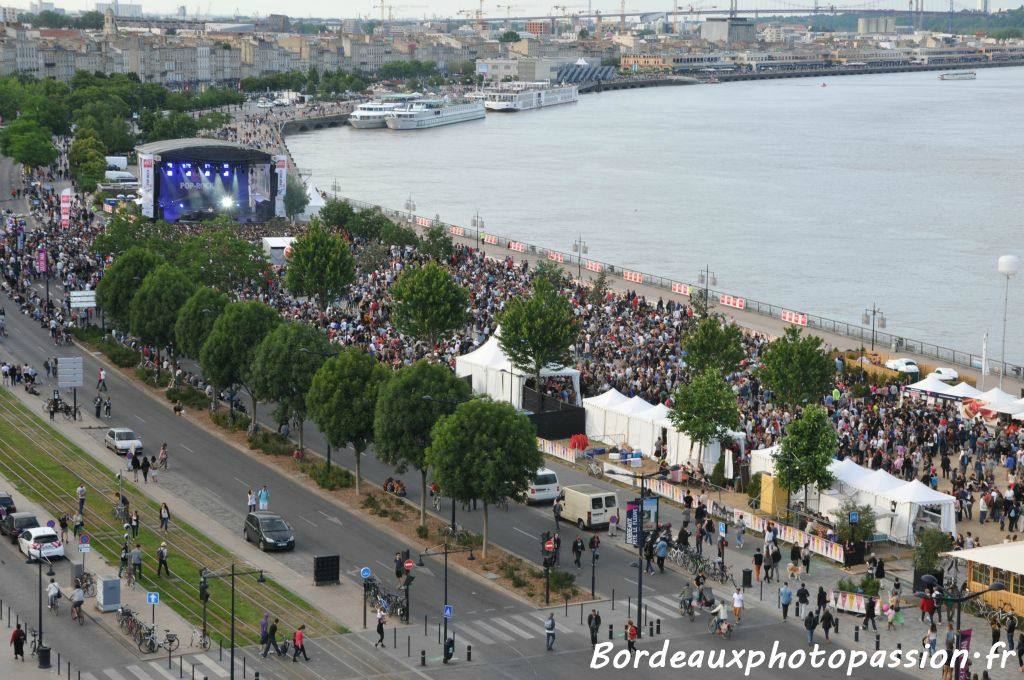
417	8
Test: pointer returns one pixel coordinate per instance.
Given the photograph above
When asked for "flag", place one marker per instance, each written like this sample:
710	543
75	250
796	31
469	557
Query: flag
984	354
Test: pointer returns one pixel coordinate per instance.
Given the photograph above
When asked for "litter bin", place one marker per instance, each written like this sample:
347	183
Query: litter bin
44	656
748	578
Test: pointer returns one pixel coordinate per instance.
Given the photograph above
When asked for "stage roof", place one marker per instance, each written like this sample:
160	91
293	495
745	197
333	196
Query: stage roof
207	150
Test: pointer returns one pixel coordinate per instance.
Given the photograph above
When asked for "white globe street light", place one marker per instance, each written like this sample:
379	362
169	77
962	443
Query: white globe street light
1008	266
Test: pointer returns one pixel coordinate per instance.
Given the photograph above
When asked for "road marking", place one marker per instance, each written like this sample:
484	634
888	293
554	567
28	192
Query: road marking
634	583
525	533
111	673
209	663
241	482
138	672
526	620
489	610
384	565
660	609
157	667
88	676
491	630
188	449
306	520
475	636
515	629
330	518
140	419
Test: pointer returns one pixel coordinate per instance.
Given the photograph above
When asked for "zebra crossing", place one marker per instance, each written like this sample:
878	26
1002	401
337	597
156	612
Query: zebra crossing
186	666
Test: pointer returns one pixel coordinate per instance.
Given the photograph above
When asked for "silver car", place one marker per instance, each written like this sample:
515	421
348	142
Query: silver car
120	440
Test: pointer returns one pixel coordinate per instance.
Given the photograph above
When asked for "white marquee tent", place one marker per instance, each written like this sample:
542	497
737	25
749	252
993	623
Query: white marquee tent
996	396
930	386
493	374
911	499
597	411
623	424
964	391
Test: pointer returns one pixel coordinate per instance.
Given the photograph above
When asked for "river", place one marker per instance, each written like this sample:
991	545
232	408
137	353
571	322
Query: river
900	190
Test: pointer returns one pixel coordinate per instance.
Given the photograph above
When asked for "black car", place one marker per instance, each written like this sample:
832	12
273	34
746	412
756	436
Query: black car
269	531
7	505
16	522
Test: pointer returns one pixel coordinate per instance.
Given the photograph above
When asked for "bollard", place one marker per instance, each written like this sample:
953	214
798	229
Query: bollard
657	626
408	647
59	664
878	642
645	613
243	667
566	607
220	649
613	602
256	675
424	625
423	658
629	607
469	652
169	662
651	628
439	633
193	672
611	635
581	613
856	633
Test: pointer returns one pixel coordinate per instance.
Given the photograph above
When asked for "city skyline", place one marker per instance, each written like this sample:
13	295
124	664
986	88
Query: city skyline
444	8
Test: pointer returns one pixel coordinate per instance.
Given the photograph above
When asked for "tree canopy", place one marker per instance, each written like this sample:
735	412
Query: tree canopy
796	368
808	447
295	197
196	318
335	214
321	266
428	303
705	408
403	419
28	142
154	307
714	345
120	282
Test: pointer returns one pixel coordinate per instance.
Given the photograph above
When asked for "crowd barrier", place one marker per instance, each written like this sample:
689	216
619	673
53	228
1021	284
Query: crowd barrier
860	333
854	603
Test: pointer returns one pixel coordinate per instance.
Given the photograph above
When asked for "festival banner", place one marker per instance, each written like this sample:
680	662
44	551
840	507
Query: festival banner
148	163
964	672
281	168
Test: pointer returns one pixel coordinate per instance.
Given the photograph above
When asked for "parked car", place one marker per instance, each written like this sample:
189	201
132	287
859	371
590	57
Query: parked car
269	531
16	522
945	374
7	505
41	540
903	365
121	439
544	487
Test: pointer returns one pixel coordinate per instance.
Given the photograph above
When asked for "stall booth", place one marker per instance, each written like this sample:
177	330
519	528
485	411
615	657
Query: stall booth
998	563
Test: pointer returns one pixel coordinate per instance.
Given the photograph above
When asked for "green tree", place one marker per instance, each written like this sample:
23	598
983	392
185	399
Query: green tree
509	36
154	307
367	224
122	280
123	233
90	172
404	417
196	318
537	332
437	244
86	141
343	399
808	447
428	303
335	215
372	256
796	368
929	544
598	289
218	257
1006	34
295	197
28	143
705	409
862	530
552	272
485	450
321	266
174	125
226	356
713	345
283	369
395	234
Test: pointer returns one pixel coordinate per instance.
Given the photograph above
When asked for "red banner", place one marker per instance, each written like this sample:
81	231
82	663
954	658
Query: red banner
730	301
457	231
635	277
423	221
595	266
794	317
555	257
491	238
681	288
516	246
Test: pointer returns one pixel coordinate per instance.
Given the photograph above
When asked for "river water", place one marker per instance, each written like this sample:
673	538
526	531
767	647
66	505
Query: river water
900	190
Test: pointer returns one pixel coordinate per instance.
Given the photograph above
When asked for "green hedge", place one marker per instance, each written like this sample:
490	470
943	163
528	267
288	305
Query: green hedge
220	417
271	443
188	396
337	478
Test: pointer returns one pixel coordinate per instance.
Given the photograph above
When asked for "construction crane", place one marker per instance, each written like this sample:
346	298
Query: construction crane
392	8
480	17
622	18
383	11
508	14
675	18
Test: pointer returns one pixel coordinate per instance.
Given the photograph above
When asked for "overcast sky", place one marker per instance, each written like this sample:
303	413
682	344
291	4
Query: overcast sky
417	8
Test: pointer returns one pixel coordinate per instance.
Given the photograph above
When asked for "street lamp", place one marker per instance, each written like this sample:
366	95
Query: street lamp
431	552
205	573
640	543
410	205
579	246
875	315
1008	266
933	582
708	278
42	650
478	225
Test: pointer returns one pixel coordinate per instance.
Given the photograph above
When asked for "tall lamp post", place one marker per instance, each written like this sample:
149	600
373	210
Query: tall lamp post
874	315
42	650
933	582
640	543
708	278
1008	266
205	574
579	246
478	226
410	206
447	550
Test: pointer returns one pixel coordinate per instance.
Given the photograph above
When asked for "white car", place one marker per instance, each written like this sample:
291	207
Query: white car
945	374
544	487
120	440
41	540
903	365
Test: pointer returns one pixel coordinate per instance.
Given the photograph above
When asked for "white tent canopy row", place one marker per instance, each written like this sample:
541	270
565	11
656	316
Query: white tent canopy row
1005	556
493	374
902	503
936	388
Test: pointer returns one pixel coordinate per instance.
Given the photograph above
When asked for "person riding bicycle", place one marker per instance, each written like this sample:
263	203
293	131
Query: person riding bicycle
77	600
686	598
52	593
719	614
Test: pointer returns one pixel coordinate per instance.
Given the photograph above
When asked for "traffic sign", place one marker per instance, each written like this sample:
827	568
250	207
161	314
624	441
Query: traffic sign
152	598
408	565
721	529
448	611
70	372
83	539
549	545
84	548
854	517
51	524
83	299
365	572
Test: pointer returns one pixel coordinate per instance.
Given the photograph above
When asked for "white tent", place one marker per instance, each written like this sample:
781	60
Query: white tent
647	427
964	391
763	460
996	396
911	499
493	374
930	386
849	475
621	423
597	410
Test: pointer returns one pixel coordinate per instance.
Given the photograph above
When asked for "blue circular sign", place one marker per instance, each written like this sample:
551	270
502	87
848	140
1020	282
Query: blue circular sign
51	524
365	572
84	539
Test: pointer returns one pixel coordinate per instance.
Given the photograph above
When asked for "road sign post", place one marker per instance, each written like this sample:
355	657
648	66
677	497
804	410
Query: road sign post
84	547
407	585
153	599
365	573
449	611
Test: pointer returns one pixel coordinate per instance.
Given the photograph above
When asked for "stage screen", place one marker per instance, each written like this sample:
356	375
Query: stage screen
194	191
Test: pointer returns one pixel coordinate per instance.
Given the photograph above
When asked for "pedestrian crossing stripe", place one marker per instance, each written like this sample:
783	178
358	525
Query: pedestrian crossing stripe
491	630
138	672
211	665
474	636
515	629
661	609
158	668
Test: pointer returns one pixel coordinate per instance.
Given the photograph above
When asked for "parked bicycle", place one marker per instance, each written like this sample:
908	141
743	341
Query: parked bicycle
150	643
88	583
199	639
456	533
594	469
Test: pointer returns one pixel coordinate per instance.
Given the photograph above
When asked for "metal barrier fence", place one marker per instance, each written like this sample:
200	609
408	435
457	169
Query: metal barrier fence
860	333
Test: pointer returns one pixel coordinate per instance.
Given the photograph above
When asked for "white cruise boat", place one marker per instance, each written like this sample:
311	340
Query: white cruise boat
958	75
428	113
372	114
525	96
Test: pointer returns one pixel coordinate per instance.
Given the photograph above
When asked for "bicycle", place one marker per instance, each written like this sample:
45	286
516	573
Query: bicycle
456	533
437	502
686	609
595	470
88	583
502	504
129	578
55	607
34	644
199	639
77	614
117	511
124	615
149	642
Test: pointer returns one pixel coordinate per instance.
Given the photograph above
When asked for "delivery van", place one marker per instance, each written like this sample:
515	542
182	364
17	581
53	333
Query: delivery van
588	506
544	487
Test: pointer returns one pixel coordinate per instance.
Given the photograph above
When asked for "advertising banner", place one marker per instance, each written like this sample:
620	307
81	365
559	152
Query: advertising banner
146	164
632	523
65	208
41	259
281	168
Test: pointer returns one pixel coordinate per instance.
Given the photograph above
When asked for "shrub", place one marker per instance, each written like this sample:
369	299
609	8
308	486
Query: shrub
422	531
930	542
518	581
336	478
561	580
867	585
754	488
188	396
271	443
223	419
121	356
90	334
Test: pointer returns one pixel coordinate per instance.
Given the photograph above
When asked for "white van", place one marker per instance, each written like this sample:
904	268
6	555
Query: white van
588	506
544	487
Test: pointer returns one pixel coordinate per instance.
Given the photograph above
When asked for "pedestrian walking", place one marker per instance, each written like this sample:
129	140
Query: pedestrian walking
661	552
161	560
631	634
382	617
737	604
828	622
741	529
107	406
145	465
549	632
556	510
80	492
134	522
803	599
77	524
822	600
63	520
594	625
98	405
758	563
125	555
577	551
649	557
299	640
18	642
613	525
264	498
136	558
153	469
869	614
101	381
271	640
399	568
250	501
165	516
785	599
557	540
264	624
810	623
805	557
134	461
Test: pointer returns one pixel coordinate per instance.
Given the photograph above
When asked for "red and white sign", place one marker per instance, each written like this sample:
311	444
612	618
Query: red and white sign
549	545
794	317
282	162
555	257
730	301
595	266
41	259
517	246
635	277
65	208
423	221
491	238
408	565
681	288
456	231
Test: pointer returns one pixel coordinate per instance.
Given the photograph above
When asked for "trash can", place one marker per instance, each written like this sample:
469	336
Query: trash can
44	656
748	578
